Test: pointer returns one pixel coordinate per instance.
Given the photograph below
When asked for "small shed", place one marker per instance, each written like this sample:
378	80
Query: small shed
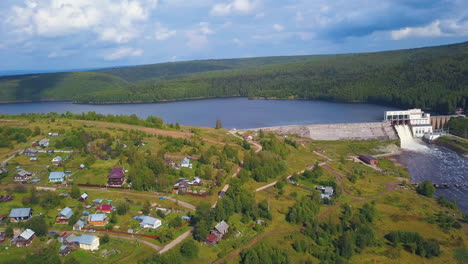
368	159
24	239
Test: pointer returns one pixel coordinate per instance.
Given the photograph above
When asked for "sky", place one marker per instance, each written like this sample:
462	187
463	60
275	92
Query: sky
75	34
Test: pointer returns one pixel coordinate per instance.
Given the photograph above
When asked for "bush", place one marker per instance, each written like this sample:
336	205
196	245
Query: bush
189	249
426	188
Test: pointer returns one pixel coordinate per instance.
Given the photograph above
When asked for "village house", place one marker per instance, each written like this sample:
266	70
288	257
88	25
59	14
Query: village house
30	152
97	219
53	134
247	137
107	208
87	242
185	163
22	176
20	214
64	216
183	185
78	225
24	239
116	177
83	197
366	158
65	250
217	233
57	176
148	221
57	161
326	191
44	142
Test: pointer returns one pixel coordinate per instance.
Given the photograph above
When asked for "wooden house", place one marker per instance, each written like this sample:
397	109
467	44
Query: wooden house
368	159
20	214
97	219
116	177
24	239
64	216
30	152
22	176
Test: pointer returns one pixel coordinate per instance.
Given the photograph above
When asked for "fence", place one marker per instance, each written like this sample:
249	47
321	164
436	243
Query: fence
103	186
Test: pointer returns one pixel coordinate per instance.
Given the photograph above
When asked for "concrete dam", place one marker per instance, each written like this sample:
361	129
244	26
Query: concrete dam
345	131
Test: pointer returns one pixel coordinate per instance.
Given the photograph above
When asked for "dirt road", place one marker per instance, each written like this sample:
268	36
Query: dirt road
176	241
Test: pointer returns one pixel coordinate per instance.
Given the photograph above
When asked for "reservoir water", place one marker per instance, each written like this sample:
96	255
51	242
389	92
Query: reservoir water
233	112
434	163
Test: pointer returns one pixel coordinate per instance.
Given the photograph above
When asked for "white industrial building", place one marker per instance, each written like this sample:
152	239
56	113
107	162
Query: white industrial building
418	121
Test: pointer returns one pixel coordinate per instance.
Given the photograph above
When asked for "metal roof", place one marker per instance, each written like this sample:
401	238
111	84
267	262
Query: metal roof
57	175
148	220
85	239
58	158
27	234
80	223
20	212
67	212
222	227
23	173
97	217
116	173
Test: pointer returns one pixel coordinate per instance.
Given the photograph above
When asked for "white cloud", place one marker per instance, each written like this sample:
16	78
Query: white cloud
123	52
61	53
237	41
234	7
163	33
278	27
111	20
438	28
198	37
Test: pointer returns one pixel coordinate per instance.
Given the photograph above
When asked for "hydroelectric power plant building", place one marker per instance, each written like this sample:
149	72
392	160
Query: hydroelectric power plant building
418	121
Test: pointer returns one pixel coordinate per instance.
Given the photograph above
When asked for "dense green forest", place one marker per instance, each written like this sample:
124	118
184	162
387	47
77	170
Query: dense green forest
434	79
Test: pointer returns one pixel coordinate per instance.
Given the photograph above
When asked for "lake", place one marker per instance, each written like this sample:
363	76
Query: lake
233	112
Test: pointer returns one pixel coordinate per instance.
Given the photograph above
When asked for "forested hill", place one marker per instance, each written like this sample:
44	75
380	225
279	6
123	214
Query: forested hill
433	78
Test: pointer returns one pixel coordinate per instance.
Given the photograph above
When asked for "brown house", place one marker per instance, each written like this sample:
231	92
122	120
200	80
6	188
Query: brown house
64	216
217	233
24	239
22	176
116	177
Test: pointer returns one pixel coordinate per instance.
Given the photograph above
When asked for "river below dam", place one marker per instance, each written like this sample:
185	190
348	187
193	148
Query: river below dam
430	162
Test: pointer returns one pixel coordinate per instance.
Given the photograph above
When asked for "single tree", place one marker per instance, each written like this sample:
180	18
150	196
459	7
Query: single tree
218	124
426	188
189	249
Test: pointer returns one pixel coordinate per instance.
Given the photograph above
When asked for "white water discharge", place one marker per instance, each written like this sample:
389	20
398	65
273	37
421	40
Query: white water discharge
407	140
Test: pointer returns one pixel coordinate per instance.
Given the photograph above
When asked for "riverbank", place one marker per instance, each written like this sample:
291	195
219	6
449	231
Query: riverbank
457	144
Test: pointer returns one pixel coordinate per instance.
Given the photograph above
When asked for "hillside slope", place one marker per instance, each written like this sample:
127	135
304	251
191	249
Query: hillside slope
433	78
55	86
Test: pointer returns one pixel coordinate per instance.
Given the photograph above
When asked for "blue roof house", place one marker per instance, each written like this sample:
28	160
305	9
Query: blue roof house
57	176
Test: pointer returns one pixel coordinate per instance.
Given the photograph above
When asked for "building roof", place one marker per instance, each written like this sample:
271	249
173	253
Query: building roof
31	150
58	158
116	173
97	217
79	223
85	239
367	156
20	212
56	175
185	161
106	207
328	190
67	212
211	238
44	141
148	220
84	196
23	173
27	234
222	227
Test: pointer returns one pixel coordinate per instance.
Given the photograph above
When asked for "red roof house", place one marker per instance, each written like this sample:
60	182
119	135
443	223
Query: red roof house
116	177
212	239
105	208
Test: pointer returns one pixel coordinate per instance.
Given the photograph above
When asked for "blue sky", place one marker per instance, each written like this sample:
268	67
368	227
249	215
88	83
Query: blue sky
71	34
